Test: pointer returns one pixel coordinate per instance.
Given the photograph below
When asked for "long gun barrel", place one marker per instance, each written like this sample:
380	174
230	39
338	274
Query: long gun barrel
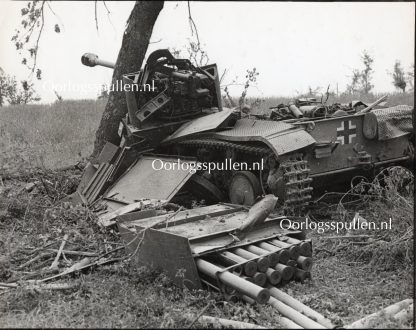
92	60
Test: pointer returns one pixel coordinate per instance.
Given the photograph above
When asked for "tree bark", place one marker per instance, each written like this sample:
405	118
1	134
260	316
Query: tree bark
130	58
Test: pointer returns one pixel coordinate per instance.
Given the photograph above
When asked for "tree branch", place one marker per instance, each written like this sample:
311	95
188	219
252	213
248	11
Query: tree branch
95	15
39	35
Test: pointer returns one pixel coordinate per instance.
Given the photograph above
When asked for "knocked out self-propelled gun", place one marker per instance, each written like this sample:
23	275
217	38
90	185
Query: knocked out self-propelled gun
175	115
175	109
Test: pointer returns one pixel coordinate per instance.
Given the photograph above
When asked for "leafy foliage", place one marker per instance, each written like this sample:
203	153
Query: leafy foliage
14	93
361	79
27	37
399	77
411	77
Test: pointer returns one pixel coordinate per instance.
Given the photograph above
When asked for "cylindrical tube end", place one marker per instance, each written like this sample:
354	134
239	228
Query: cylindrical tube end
260	279
305	263
284	256
263	264
287	272
273	276
250	268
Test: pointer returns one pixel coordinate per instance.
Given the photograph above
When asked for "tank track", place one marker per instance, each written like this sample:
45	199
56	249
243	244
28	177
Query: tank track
298	191
223	145
295	170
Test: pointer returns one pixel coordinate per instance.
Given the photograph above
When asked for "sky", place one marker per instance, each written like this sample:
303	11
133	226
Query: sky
293	45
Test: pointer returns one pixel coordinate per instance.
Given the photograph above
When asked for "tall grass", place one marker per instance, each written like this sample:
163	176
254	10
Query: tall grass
50	135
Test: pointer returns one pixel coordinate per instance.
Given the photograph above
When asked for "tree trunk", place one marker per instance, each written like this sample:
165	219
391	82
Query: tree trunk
132	52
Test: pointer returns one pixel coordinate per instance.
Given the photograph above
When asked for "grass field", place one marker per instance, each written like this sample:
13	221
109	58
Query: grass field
346	285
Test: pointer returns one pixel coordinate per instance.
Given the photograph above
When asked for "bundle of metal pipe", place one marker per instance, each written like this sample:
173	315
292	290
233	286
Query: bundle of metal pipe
243	286
300	307
263	265
295	315
244	270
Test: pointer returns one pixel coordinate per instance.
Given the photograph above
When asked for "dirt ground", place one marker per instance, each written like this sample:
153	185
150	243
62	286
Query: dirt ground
343	287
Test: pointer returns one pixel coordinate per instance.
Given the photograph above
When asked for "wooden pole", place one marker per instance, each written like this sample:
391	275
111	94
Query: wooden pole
285	322
391	310
297	305
372	105
405	315
217	322
294	315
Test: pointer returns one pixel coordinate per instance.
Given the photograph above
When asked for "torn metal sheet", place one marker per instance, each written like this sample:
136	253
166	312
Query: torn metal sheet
108	218
281	137
202	124
110	205
151	178
126	157
184	216
97	183
89	172
108	154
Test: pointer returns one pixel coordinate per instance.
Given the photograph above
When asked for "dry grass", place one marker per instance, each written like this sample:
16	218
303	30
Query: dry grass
47	135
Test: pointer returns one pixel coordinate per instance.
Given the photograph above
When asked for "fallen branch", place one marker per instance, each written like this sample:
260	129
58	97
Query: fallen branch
38	257
220	323
86	263
76	253
405	315
366	322
35	285
199	315
346	237
58	255
31	275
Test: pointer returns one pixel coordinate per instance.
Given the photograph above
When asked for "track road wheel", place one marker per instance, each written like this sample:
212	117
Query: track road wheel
204	189
244	188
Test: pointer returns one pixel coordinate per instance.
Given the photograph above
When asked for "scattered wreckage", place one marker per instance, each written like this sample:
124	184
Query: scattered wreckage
241	251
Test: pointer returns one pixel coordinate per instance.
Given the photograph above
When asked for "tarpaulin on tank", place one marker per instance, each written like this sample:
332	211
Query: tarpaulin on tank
281	137
393	122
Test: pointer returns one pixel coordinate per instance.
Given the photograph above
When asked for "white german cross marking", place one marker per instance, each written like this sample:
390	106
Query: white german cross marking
346	132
